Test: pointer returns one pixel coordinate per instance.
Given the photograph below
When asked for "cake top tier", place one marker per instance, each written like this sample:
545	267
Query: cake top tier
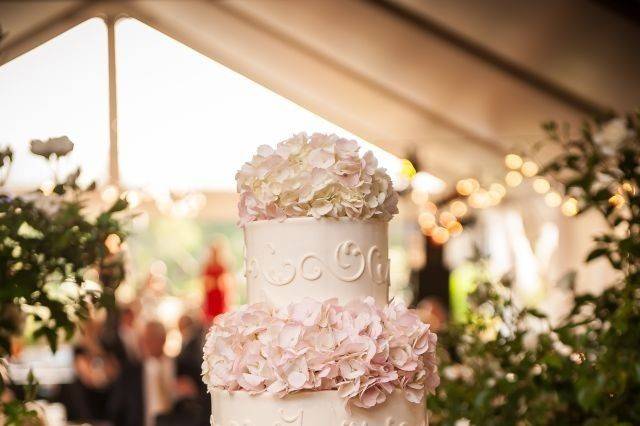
314	176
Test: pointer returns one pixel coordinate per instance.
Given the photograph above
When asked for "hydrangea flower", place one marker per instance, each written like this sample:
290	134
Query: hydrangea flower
361	350
316	176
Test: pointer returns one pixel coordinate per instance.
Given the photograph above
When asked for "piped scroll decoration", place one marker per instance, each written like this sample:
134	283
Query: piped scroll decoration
391	422
253	270
283	276
343	253
378	269
297	419
348	264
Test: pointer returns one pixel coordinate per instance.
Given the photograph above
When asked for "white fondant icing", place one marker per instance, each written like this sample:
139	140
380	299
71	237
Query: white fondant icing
318	258
313	408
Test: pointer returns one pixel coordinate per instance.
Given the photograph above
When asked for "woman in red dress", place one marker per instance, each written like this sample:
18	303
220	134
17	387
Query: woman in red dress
215	275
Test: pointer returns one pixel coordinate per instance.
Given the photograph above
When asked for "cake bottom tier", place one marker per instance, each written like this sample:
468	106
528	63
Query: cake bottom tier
311	408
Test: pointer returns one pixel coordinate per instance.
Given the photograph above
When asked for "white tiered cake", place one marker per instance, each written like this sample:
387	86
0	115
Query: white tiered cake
318	344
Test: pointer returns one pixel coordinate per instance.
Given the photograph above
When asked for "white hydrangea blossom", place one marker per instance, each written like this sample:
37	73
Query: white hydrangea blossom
317	176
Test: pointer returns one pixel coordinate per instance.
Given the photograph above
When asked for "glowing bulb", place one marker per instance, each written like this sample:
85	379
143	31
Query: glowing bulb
446	218
464	187
431	207
553	199
427	220
455	228
440	235
458	208
570	207
479	199
513	178
541	185
513	161
498	189
529	168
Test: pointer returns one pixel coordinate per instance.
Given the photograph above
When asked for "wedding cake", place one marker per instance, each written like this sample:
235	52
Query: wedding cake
318	343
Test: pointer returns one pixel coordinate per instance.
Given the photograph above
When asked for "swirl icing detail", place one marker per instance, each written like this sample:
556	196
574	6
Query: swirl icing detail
378	269
344	252
297	419
283	276
348	264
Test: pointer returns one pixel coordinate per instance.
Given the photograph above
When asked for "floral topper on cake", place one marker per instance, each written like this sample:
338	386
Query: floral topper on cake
361	350
314	176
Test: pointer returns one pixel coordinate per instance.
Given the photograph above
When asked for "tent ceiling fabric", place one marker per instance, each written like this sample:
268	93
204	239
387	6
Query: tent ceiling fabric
576	44
390	82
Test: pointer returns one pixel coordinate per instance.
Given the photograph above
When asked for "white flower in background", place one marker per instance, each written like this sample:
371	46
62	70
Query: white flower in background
314	176
59	147
462	422
612	134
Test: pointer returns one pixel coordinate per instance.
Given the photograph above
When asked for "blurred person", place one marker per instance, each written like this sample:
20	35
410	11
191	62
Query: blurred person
216	277
121	336
146	389
192	407
96	372
189	360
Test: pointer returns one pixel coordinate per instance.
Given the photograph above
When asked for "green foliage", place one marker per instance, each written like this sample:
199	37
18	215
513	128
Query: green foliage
52	254
508	364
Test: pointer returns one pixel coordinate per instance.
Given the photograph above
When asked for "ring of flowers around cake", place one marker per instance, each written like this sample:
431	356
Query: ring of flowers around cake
363	351
314	176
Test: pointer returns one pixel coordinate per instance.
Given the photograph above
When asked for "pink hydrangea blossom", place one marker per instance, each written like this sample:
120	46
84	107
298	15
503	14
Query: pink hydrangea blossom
361	350
316	176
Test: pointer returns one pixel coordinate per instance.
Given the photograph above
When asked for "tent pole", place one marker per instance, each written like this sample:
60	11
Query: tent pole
114	169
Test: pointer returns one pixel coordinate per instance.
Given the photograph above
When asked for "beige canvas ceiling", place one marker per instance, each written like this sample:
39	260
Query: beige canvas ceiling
462	81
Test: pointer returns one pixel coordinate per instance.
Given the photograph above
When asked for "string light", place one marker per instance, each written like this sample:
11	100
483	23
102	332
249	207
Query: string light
446	218
529	168
440	235
479	199
498	188
553	199
513	161
541	185
455	228
467	186
431	207
513	178
458	208
427	220
570	207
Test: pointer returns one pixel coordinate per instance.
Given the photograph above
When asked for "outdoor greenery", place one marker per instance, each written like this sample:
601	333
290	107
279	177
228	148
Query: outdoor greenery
58	260
508	364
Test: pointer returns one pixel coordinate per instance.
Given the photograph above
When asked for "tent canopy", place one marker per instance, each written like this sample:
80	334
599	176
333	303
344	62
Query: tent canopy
462	82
